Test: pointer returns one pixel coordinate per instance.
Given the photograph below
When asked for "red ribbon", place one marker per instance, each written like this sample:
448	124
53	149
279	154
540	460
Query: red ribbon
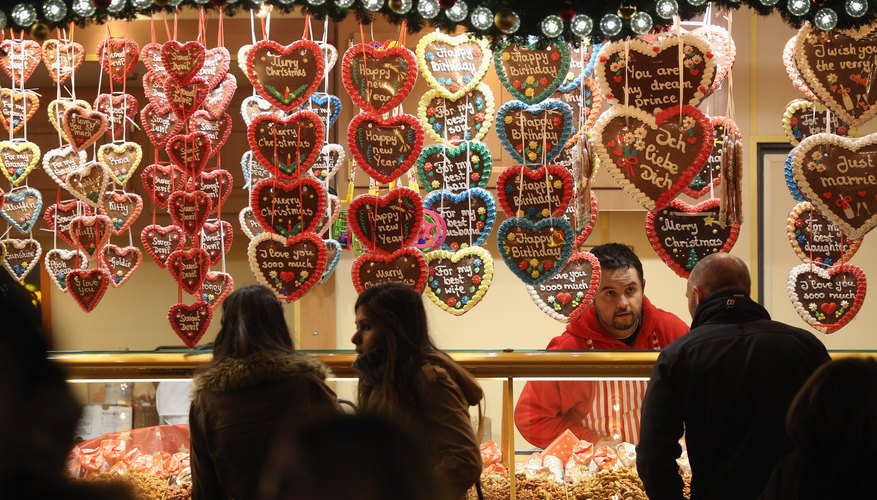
844	201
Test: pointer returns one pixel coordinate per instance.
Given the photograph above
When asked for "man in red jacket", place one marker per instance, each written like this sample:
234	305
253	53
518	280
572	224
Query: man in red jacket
620	318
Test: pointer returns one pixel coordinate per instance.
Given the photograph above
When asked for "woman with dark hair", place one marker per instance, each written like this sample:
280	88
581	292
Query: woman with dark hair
833	424
404	377
255	388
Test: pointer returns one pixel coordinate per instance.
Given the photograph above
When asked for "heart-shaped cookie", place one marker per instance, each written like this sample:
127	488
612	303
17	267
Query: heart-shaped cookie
217	129
59	215
653	158
836	65
220	96
56	111
285	75
21	256
333	211
289	266
83	126
451	121
387	223
189	210
21	208
120	262
122	208
17	107
469	216
60	262
161	241
154	89
189	151
62	58
582	219
646	76
458	280
19	58
17	159
333	257
159	123
88	287
327	107
249	225
118	56
150	54
328	162
792	69
384	148
216	183
827	299
121	159
190	322
186	99
535	251
160	181
453	65
89	183
58	163
286	146
90	233
215	288
582	61
682	234
534	135
288	208
531	72
454	168
378	78
182	61
253	170
406	265
837	175
815	239
534	193
803	118
723	48
710	175
189	268
120	109
253	106
585	103
566	294
215	68
216	239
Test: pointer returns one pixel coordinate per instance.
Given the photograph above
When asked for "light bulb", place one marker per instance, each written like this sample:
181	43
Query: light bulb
481	18
697	3
610	25
372	5
458	11
582	25
552	26
769	3
825	19
312	2
428	9
24	14
400	6
667	8
56	10
798	7
116	6
641	23
83	8
856	8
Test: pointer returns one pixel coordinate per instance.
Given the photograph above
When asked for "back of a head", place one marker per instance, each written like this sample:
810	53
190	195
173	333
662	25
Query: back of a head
614	256
399	313
252	322
721	273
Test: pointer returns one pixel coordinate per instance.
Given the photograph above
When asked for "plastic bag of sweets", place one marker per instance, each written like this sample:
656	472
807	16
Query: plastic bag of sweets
578	465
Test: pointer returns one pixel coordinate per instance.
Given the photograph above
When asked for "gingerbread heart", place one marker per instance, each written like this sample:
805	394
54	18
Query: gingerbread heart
285	75
253	106
17	107
58	163
582	61
286	146
327	107
387	223
220	96
90	233
59	263
378	79
89	183
121	159
288	208
62	58
253	170
454	168
249	225
582	217
385	148
568	292
837	175
19	58
120	262
815	239
160	124
56	112
792	69
190	322
217	129
333	257
189	210
682	234
406	265
535	251
161	241
122	208
458	280
534	193
216	239
827	299
21	208
160	181
189	151
120	108
803	118
186	99
451	121
215	288
83	126
182	61
453	65
216	183
333	211
534	135
118	56
18	159
723	48
328	162
154	88
646	75
150	54
215	68
469	216
58	217
531	72
88	287
710	175
189	268
21	256
289	266
653	158
585	103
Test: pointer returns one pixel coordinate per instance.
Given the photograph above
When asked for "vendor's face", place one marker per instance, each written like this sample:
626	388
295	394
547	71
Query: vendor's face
366	337
619	301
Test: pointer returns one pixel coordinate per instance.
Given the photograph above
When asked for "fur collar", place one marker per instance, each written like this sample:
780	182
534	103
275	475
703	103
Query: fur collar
233	374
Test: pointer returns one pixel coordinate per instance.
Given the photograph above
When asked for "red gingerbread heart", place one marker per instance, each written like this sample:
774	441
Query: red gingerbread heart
216	183
161	241
182	61
567	293
154	88
827	299
118	56
122	208
19	58
387	223
378	79
406	265
288	208
190	321
534	193
188	98
216	239
150	54
62	58
286	146
159	123
120	262
59	216
189	152
189	210
217	129
285	76
385	148
289	266
220	95
120	109
90	233
160	181
189	268
88	287
215	67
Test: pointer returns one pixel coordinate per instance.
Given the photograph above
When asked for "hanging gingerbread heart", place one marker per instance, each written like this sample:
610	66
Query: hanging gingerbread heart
328	162
682	234
457	281
189	151
120	262
387	223
567	293
453	65
534	193
189	268
17	107
253	106
58	217
186	99
60	162
189	210
288	208
216	239
249	224
454	168
19	58
88	287
21	256
121	159
289	266
378	79
83	126
723	48
89	183
469	216
327	107
534	135
154	88
535	251
531	72
653	158
215	68
285	75
118	56
182	61
215	288
837	175
803	118
122	208
710	175
160	181
17	159
220	96
815	239
21	208
160	124
90	233
582	219
333	257
120	108
286	146
150	54
330	215
827	299
62	58
585	104
406	265
190	322
59	263
56	112
217	129
792	69
216	183
161	241
385	148
451	121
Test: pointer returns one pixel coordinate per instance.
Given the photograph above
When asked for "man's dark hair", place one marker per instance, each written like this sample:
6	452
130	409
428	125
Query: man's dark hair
617	256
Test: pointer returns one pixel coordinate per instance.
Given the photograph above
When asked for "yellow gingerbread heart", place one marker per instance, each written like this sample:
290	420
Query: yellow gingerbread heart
466	118
17	159
453	65
121	159
457	281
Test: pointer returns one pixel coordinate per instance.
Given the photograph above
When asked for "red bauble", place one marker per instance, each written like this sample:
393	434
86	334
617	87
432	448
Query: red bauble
446	4
102	4
567	13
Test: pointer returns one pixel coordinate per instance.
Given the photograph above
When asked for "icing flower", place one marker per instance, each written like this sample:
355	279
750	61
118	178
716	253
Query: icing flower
530	80
476	278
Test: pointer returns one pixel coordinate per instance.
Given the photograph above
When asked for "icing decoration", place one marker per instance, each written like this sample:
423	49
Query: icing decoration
153	88
21	208
189	210
581	66
160	124
58	217
83	126
327	107
216	236
827	299
286	146
121	159
585	105
62	58
289	266
120	109
215	68
530	73
534	193
791	183
653	158
458	280
387	223
21	256
216	183
469	216
88	287
217	129
160	181
160	241
19	58
190	322
243	52
454	120
184	100
122	208
17	107
56	112
803	118
535	251
17	159
90	233
837	175
385	148
120	262
215	288
406	266
333	257
792	69
150	54
534	134
454	168
584	226
253	170
89	183
682	234
189	268
60	262
182	61
328	162
815	239
249	225
285	75
453	65
189	152
288	208
253	106
329	217
330	56
568	292
219	97
378	79
58	163
723	47
118	56
710	174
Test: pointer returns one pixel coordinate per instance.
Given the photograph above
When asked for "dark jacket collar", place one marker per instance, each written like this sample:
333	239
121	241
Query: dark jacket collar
232	374
729	307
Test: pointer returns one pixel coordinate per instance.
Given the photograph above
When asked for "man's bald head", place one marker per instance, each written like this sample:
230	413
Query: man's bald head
717	273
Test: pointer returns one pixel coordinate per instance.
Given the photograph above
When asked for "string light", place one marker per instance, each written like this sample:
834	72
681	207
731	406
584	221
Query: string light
856	8
400	6
582	25
428	9
344	3
458	12
481	18
56	10
826	19
83	8
373	5
24	14
698	3
667	8
799	7
769	3
641	23
552	26
116	6
610	24
507	21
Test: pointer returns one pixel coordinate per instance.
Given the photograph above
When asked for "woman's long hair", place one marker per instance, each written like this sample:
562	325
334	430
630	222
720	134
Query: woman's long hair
252	322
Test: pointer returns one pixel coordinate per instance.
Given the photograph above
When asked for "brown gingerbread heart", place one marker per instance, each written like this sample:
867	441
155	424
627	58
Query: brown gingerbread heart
387	223
120	262
189	268
827	299
815	239
88	287
406	265
288	208
289	266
